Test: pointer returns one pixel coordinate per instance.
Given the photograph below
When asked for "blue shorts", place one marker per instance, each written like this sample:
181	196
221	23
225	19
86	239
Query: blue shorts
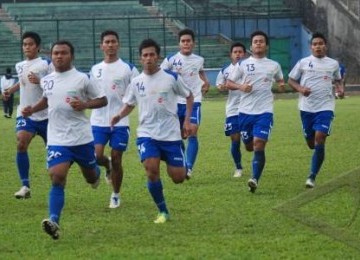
172	152
84	155
31	126
318	121
231	125
255	126
195	114
118	137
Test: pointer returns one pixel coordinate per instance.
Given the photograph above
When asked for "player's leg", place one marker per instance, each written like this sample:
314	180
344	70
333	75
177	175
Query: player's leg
322	127
173	154
101	137
150	158
262	125
84	155
24	134
193	144
6	107
232	129
59	161
118	142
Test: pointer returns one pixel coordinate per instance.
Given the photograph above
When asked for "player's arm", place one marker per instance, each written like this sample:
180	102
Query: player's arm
297	87
126	110
40	105
189	105
246	87
79	105
205	87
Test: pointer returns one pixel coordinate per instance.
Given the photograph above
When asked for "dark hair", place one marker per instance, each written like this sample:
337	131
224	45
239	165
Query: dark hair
33	35
149	43
108	32
64	42
237	44
187	31
318	35
8	70
261	33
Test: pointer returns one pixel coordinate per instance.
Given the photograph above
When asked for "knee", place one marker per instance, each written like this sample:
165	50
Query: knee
22	146
178	180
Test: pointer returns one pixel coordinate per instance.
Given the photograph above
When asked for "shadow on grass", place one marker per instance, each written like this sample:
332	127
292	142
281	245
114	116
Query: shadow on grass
346	233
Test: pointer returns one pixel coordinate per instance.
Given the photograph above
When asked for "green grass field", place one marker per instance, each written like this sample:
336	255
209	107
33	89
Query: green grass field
213	216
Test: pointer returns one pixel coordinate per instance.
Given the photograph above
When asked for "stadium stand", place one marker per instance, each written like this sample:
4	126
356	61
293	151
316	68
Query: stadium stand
82	23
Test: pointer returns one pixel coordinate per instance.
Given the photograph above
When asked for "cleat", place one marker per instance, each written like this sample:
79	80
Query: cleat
51	228
252	183
237	173
189	174
108	173
114	201
310	183
23	193
161	218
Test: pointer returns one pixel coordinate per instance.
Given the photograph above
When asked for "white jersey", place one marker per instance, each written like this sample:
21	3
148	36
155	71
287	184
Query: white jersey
31	93
260	74
114	79
66	126
156	96
233	100
188	67
318	75
6	83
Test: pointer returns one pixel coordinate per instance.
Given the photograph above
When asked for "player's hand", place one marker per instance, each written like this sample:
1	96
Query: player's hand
305	91
281	88
114	120
247	87
26	111
187	130
77	104
205	88
340	93
221	87
33	78
6	95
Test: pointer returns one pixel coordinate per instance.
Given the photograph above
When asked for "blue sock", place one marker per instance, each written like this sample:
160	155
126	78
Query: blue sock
56	202
156	191
258	164
23	165
317	160
236	153
192	151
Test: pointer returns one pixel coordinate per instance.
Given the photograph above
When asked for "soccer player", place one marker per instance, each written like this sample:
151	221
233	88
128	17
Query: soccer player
312	77
254	77
67	93
29	72
7	81
231	127
190	67
114	76
158	135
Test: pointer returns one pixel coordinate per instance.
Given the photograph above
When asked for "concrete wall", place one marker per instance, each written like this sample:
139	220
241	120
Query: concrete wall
344	36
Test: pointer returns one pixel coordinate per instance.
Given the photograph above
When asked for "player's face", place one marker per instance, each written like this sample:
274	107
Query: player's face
110	45
258	45
30	48
237	53
186	44
61	57
318	47
149	59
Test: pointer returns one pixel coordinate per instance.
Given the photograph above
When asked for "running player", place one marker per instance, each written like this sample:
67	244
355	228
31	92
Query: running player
113	75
